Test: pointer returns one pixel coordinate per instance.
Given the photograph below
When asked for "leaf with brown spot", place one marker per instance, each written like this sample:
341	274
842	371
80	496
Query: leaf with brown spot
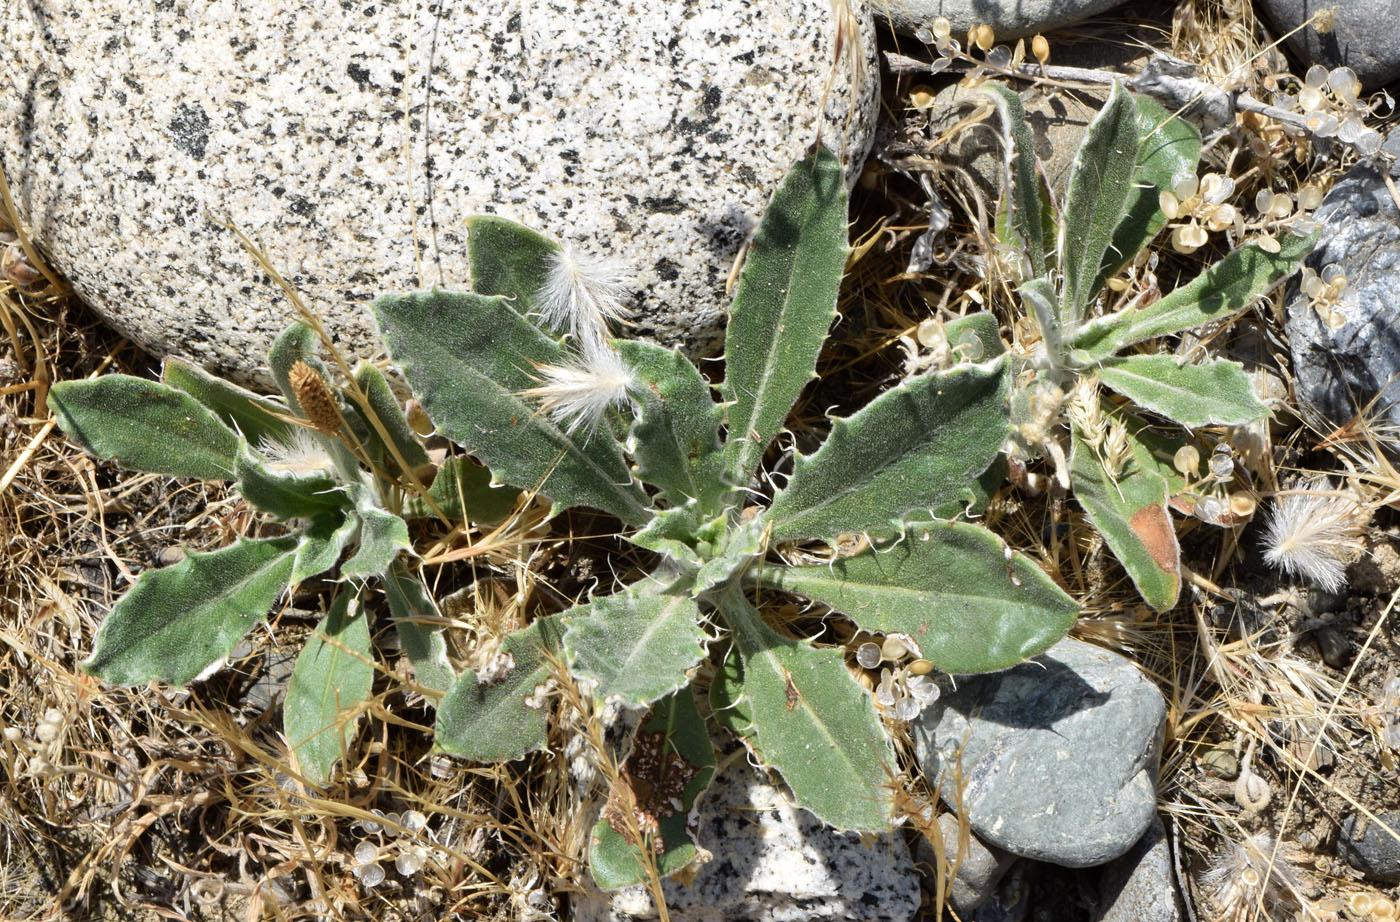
1130	511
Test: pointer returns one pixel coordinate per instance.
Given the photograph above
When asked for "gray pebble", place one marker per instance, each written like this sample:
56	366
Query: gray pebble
1369	848
1141	886
1058	756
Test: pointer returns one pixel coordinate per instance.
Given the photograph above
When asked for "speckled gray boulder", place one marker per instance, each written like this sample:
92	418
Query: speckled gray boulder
1337	372
351	138
772	862
1059	755
1365	36
1009	18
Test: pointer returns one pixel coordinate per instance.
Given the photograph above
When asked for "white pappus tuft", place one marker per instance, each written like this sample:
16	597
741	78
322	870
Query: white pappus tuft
304	453
1313	531
577	395
581	295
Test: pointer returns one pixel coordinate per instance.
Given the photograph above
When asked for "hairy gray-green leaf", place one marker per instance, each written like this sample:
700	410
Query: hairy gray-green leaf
297	343
1039	294
462	490
321	543
975	337
785	303
1100	183
681	534
387	412
289	494
1168	145
331	679
382	536
916	446
967	600
178	620
636	646
1218	293
256	418
672	763
419	627
469	359
813	723
676	431
1024	203
1129	508
145	425
1214	393
509	260
503	719
727	702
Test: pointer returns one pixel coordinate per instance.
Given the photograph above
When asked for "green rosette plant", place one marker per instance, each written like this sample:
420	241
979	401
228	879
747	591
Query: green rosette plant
1103	450
332	465
523	374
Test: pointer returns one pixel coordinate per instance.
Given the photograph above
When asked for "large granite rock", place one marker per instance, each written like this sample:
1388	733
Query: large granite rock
351	138
1340	370
1009	18
772	862
1058	757
1365	35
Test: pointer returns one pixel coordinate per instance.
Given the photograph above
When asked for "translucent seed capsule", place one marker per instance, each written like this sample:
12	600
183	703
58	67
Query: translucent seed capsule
1187	460
983	37
1309	197
885	692
1224	216
1316	77
1334	274
1222	463
1242	505
1185	184
999	57
1267	244
411	860
391	820
1349	131
923	688
366	853
942	28
893	648
907	708
924	35
1368	142
1282	205
413	821
1170	205
1216	188
920	667
371	875
1310	99
868	655
1263	201
1342	81
1040	48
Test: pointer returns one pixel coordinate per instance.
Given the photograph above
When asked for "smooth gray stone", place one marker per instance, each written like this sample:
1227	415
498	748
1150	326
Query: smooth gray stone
1141	885
352	138
979	871
1369	848
1365	37
1339	371
772	862
1010	19
1058	756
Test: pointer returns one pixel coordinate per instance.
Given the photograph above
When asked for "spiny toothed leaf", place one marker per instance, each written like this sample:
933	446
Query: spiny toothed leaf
637	646
813	723
509	260
1214	393
1100	184
1024	205
179	620
503	719
381	537
393	428
1218	293
915	447
419	627
676	430
331	679
320	544
145	425
463	492
785	303
961	595
256	418
470	359
727	702
288	494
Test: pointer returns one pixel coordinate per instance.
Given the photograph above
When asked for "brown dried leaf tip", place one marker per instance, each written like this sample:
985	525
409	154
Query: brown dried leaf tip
314	397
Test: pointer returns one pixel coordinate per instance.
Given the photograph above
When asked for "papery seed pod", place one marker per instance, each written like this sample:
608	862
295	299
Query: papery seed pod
1242	504
868	655
983	37
1187	460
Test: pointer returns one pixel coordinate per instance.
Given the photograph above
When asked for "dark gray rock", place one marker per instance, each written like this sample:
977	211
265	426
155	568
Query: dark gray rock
1058	756
1008	18
979	871
772	862
1369	848
1339	371
1365	36
1140	886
